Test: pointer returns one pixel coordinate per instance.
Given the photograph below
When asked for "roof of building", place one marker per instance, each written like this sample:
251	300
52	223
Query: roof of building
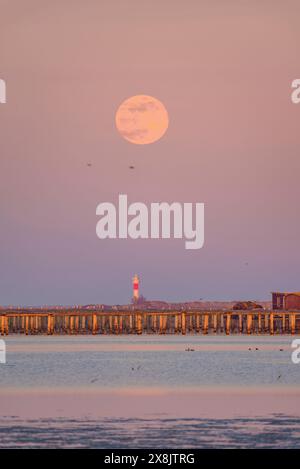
287	293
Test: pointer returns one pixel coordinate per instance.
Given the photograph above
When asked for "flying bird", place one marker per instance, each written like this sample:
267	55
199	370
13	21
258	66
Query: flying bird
131	167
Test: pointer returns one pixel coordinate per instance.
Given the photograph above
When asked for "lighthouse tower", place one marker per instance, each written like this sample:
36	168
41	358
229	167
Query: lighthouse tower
135	284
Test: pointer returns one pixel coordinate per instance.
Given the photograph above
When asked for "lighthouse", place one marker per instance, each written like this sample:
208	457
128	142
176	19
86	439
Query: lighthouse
135	284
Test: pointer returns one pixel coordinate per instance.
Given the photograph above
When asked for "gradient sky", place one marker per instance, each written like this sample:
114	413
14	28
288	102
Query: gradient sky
223	69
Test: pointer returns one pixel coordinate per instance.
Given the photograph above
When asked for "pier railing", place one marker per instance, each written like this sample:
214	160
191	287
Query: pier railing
149	322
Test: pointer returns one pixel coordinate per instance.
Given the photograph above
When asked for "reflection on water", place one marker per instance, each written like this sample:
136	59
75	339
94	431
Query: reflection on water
277	431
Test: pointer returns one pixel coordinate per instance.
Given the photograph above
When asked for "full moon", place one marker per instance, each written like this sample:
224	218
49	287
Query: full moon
142	119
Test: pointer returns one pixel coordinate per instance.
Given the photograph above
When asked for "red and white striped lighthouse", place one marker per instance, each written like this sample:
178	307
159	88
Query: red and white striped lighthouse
135	283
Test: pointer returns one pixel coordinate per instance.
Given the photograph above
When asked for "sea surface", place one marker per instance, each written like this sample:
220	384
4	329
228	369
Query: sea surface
149	391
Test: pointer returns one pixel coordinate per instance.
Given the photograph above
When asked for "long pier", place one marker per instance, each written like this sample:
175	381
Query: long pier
76	321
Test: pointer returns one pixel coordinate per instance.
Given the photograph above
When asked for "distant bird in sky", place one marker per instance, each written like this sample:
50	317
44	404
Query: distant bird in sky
89	164
94	380
131	167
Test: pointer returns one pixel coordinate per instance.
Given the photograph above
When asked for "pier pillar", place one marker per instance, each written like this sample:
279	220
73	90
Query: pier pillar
14	324
165	323
26	324
110	324
49	325
161	325
283	323
6	325
103	324
67	324
197	323
154	323
36	325
130	324
176	323
222	322
205	325
293	323
94	324
271	323
139	327
83	324
259	323
215	323
183	323
116	325
190	322
228	321
23	323
266	323
71	324
249	323
77	324
240	323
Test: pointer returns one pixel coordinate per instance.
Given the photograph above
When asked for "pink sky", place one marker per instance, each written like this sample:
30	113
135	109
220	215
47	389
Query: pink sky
224	72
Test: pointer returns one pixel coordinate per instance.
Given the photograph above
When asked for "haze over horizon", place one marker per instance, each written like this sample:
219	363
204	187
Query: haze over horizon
224	74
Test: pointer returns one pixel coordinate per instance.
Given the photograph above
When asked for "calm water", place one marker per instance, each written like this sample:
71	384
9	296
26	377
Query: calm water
149	391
